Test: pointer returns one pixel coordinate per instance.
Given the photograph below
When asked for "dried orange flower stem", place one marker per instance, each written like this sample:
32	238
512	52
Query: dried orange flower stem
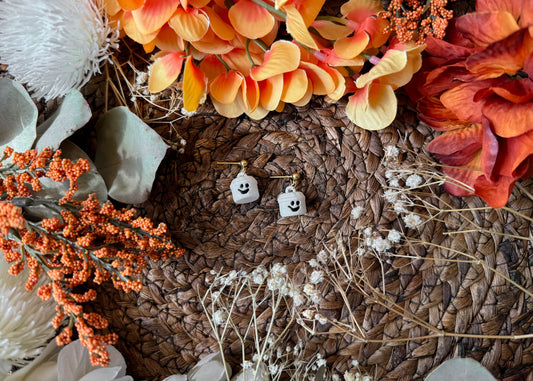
85	243
416	19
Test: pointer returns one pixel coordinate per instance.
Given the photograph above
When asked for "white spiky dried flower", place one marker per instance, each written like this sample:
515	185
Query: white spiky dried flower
54	46
25	321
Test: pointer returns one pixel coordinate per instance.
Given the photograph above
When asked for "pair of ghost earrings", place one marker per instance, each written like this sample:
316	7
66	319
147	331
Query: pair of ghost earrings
244	190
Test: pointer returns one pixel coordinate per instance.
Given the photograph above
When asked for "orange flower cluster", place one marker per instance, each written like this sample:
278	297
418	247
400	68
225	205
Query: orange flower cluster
228	50
27	167
87	242
477	87
417	19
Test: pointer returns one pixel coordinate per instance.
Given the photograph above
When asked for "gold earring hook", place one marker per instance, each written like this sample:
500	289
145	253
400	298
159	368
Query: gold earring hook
295	177
242	163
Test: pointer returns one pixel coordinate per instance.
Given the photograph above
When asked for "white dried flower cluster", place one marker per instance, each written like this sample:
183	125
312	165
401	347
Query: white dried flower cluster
394	236
412	221
312	293
391	152
219	317
322	256
54	46
316	277
413	181
357	211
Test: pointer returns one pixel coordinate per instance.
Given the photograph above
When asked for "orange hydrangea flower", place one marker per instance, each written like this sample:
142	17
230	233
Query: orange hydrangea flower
477	88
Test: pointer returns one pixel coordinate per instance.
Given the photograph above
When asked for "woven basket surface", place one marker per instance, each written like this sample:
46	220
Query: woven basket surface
164	329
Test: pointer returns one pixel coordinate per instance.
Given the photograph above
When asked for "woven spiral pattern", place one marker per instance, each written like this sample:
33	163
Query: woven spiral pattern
165	331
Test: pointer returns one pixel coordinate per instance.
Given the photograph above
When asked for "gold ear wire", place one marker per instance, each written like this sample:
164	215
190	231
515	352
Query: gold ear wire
242	163
295	177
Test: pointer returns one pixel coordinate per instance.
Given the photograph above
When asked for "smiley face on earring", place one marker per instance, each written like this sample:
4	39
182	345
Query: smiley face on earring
244	189
294	205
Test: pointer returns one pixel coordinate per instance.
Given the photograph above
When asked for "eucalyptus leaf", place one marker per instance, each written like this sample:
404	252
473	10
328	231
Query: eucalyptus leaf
18	117
73	113
461	369
128	155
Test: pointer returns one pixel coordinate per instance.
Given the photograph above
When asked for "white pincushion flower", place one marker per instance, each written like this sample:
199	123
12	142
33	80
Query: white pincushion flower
316	277
394	236
54	46
25	321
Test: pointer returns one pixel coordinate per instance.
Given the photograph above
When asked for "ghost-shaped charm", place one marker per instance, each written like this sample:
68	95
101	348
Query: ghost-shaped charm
292	203
244	189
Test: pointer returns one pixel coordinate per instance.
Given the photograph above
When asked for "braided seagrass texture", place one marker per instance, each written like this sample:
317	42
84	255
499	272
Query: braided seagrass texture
165	331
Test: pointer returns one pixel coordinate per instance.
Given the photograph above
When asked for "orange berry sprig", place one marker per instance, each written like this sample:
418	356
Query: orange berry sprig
417	19
88	243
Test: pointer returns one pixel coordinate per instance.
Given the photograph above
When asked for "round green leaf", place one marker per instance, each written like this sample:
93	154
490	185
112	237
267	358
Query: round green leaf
18	117
128	155
462	369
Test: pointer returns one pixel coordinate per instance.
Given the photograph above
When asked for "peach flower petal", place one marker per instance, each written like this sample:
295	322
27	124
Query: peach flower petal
222	29
373	107
283	56
309	9
130	27
296	27
154	14
323	82
392	62
167	39
212	67
225	87
330	30
351	47
194	85
294	86
165	70
130	5
474	26
250	19
270	91
191	24
509	119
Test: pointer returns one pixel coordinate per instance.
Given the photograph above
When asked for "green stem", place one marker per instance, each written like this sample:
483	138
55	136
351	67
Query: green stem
223	62
261	44
246	47
270	8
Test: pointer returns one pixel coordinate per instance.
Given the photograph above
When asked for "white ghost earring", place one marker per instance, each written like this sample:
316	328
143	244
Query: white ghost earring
243	187
291	202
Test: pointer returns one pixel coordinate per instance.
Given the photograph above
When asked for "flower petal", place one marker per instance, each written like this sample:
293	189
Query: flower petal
250	92
373	107
515	151
238	60
283	56
502	57
474	26
330	30
222	29
403	76
323	82
364	8
508	119
518	90
250	19
270	91
461	180
232	110
432	112
294	86
461	100
495	193
167	39
194	86
130	27
296	27
165	70
224	88
212	67
340	84
489	151
191	24
350	47
130	5
393	61
307	96
212	44
154	14
309	9
458	147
